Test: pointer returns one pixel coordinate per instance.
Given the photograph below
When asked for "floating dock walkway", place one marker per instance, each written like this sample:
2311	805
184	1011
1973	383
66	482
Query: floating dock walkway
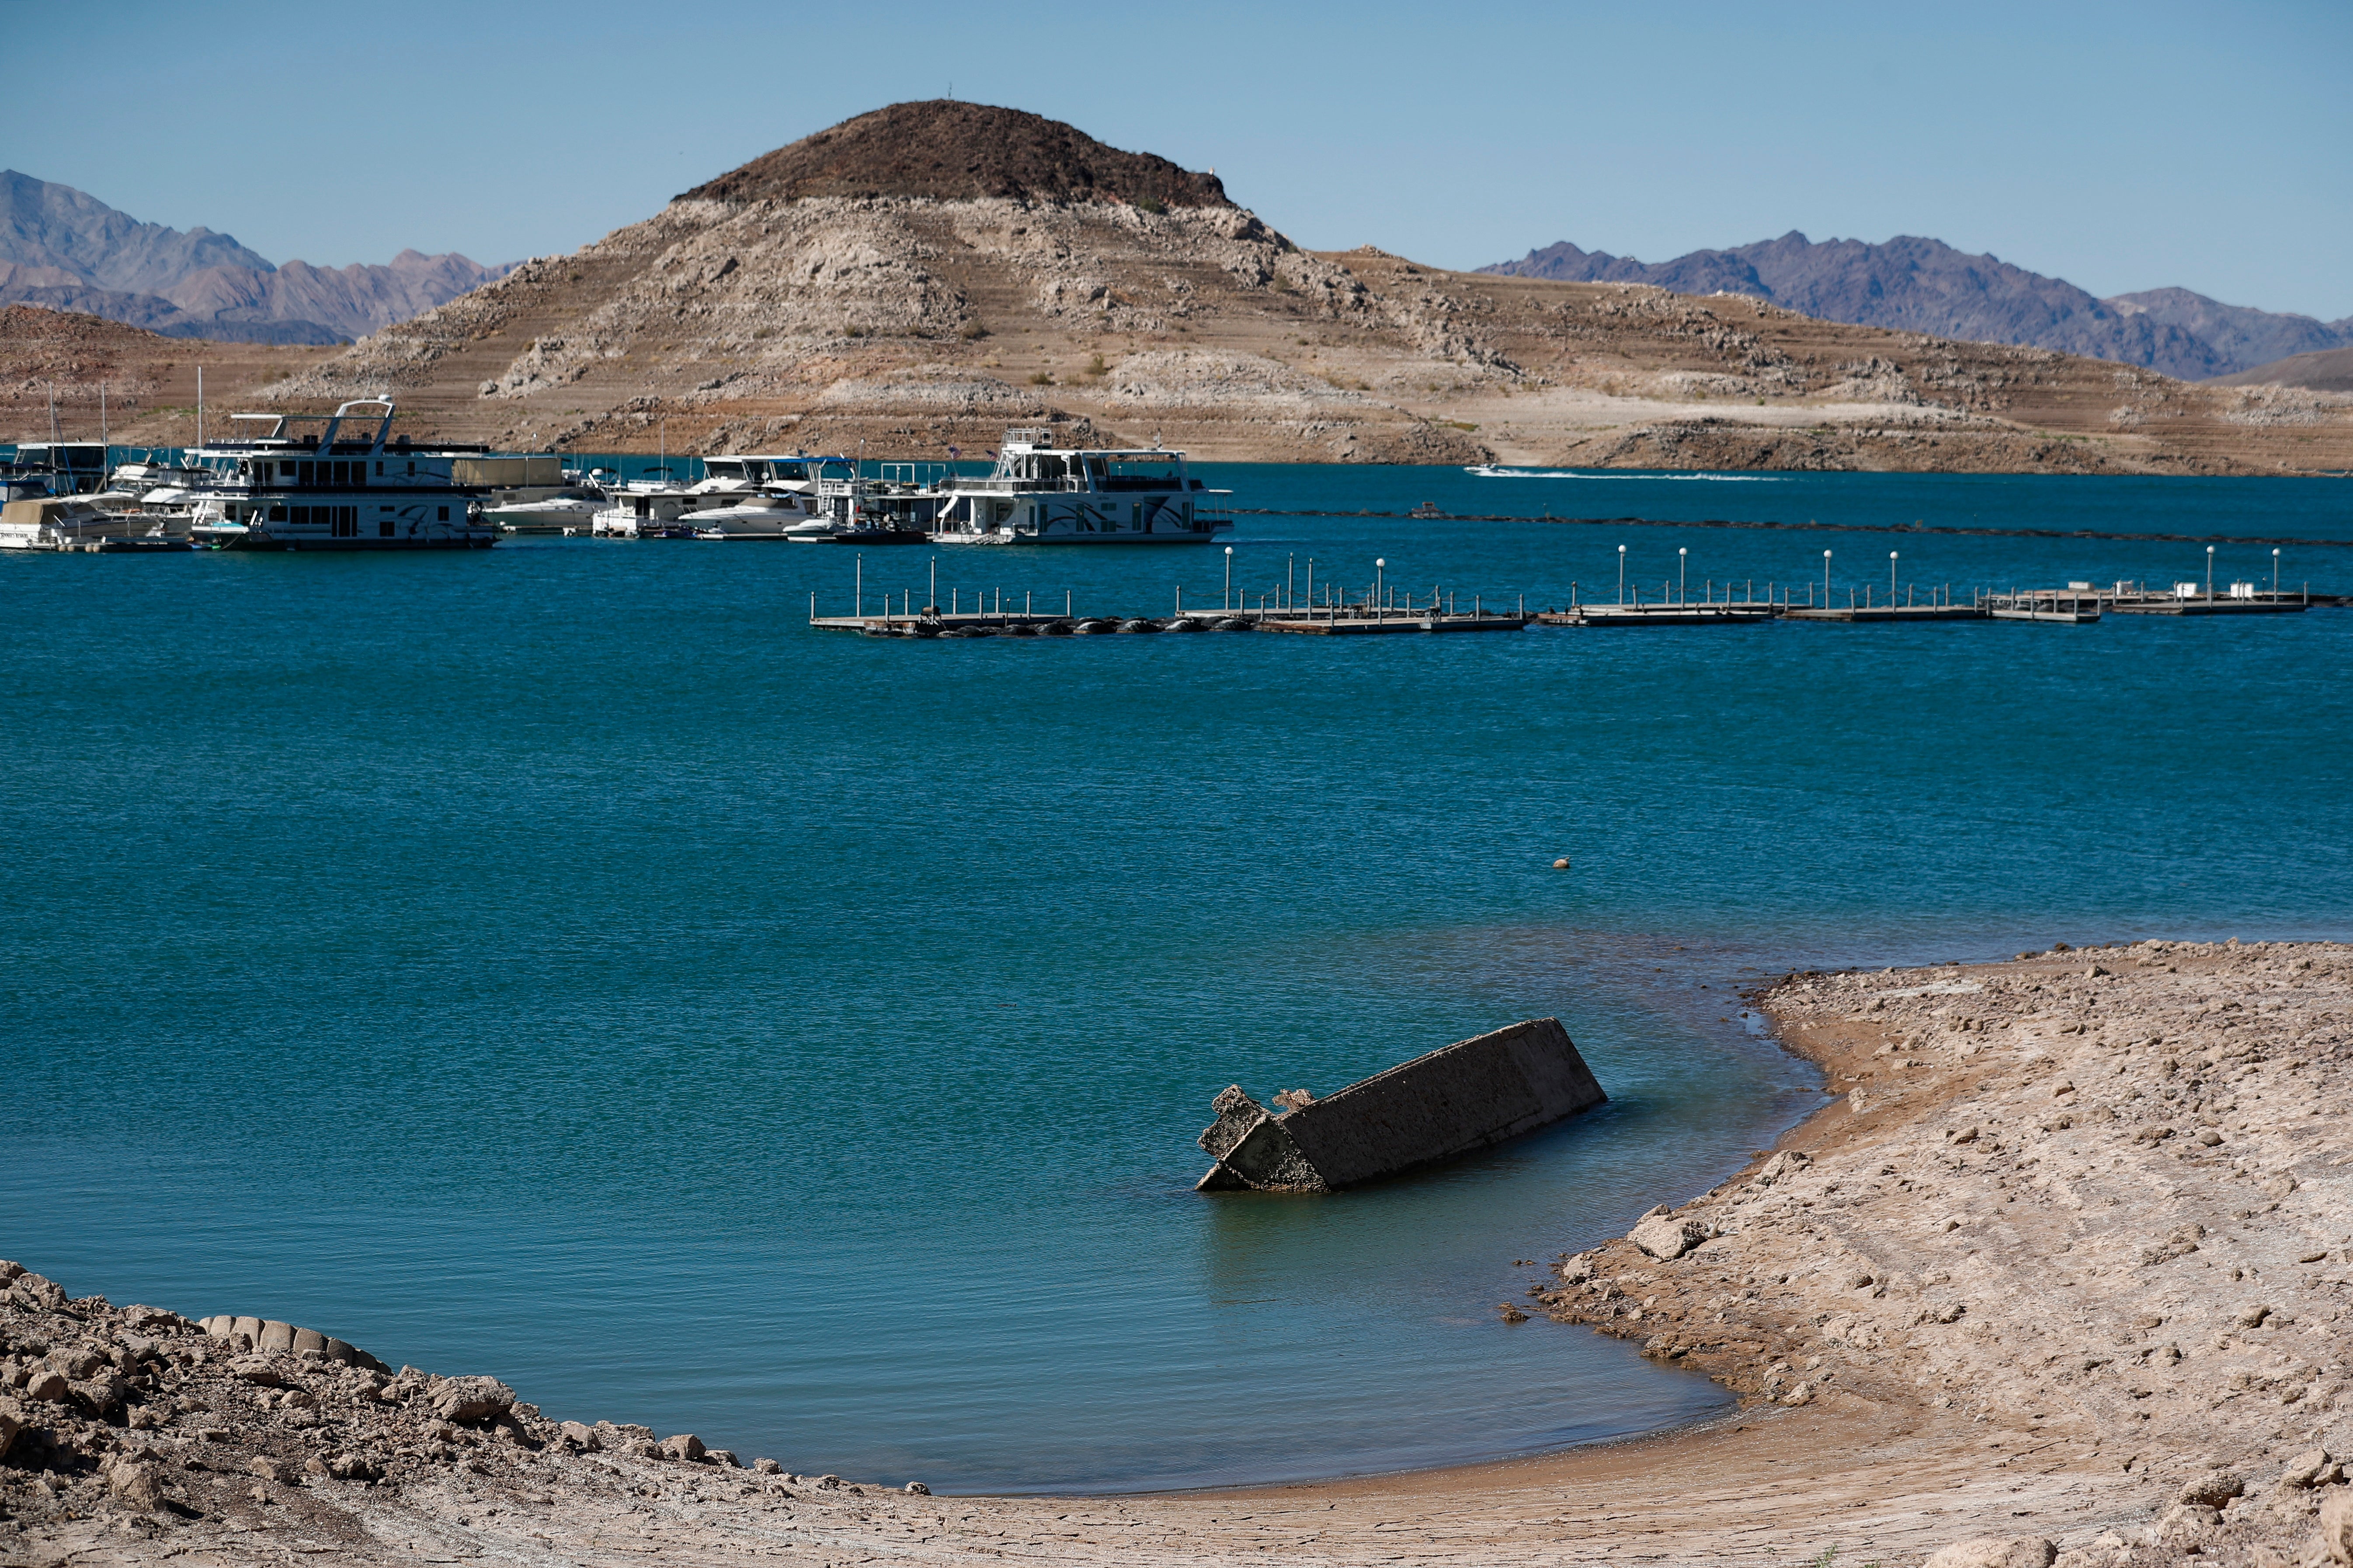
1383	611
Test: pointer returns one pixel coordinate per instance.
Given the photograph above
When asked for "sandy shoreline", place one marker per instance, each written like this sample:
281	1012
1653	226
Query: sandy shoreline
2070	1246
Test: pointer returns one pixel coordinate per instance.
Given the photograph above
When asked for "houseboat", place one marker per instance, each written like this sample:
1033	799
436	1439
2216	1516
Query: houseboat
1043	494
305	484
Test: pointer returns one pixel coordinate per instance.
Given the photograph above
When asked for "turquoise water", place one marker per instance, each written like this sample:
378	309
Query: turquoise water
562	962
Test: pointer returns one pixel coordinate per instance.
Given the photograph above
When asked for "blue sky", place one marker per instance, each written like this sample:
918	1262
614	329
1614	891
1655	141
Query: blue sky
2121	147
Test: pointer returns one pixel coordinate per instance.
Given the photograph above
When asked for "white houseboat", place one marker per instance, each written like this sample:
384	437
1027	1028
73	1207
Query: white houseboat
748	496
288	489
1042	494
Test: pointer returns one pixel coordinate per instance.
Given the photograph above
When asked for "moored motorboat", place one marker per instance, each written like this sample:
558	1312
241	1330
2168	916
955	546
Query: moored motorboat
571	510
110	522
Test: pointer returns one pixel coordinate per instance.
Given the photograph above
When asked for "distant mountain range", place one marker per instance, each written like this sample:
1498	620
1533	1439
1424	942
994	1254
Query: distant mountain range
1926	286
65	249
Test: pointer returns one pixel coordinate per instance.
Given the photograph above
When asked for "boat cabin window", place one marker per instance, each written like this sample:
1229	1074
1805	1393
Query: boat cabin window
1141	471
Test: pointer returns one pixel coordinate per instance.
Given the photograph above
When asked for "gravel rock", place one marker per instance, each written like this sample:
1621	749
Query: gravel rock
1996	1552
137	1484
1665	1237
2215	1489
469	1399
2337	1524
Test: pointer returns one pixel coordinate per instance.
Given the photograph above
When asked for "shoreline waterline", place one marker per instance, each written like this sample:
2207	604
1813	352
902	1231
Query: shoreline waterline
1892	1404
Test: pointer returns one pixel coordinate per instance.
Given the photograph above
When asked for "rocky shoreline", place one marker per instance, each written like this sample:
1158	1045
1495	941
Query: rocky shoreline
2091	1201
2061	1276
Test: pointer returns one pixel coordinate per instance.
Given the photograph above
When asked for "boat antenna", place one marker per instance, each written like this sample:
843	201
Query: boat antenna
104	444
53	413
200	405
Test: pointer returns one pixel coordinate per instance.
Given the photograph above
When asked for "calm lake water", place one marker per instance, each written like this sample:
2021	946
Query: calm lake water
561	961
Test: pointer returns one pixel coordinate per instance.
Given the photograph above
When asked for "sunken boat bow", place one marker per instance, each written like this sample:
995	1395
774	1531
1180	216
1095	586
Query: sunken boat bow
1469	1095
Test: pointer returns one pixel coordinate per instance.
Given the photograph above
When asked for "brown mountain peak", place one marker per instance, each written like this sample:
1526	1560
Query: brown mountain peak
953	151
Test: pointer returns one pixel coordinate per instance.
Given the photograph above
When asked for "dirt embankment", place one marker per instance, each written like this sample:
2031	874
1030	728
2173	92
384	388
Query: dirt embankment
2063	1275
137	386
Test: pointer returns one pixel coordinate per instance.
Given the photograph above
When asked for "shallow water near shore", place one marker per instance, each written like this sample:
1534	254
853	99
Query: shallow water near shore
563	963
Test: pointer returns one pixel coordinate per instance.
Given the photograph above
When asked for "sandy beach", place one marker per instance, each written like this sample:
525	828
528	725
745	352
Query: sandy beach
2058	1276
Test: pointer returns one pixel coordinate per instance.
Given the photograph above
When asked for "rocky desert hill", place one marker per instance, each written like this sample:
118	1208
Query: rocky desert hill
920	278
148	380
2329	370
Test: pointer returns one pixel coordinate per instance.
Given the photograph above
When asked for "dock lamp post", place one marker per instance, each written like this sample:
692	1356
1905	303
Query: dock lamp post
1826	579
2210	571
1229	577
1621	573
1891	579
2275	571
1683	571
1380	594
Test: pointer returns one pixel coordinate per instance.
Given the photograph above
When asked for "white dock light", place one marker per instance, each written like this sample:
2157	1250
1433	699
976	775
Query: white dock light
2275	571
1380	593
2210	571
1683	571
1229	576
1891	579
1826	579
1621	573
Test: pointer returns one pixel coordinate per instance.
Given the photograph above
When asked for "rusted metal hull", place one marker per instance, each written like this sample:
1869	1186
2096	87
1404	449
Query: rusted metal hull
1466	1096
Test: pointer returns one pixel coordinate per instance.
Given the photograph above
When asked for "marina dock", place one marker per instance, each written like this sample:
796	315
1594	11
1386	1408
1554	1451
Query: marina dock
1891	613
1342	622
1663	615
1383	611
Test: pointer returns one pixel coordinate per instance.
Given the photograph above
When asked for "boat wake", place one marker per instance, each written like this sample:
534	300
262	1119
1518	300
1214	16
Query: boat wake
1494	471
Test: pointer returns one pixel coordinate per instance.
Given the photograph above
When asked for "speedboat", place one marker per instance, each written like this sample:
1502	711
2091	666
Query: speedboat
108	521
571	509
763	514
